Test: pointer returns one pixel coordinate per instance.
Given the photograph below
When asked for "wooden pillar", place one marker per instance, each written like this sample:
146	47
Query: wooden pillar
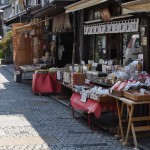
81	36
148	47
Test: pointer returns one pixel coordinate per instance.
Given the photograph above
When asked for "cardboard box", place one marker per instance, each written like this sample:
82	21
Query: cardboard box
78	79
133	97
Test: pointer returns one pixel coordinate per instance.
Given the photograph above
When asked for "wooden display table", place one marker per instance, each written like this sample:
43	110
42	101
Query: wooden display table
130	105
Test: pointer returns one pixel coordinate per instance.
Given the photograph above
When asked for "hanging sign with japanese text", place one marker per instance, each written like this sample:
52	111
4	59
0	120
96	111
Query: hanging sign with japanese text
131	25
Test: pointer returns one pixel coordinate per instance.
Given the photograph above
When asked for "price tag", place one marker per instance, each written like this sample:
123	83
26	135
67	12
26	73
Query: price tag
76	90
82	62
142	91
87	81
90	61
113	82
58	75
84	97
110	90
94	96
94	64
17	72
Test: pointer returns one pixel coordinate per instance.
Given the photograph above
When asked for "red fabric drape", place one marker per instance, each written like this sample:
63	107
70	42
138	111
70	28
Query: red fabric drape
45	83
91	106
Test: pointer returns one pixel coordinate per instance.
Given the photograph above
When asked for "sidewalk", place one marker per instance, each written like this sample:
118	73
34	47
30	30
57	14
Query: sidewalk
10	68
30	122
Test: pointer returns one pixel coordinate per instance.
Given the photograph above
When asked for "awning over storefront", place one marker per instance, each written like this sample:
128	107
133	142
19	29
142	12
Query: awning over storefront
83	4
52	9
17	18
32	25
138	5
24	28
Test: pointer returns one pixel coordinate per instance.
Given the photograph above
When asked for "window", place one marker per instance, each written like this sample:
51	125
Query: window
17	9
131	47
29	2
4	2
100	49
38	1
136	44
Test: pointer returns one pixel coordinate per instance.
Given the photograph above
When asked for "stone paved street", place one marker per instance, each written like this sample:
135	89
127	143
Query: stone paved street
30	122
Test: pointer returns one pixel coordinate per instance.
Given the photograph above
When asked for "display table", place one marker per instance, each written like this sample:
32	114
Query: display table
28	70
130	105
45	83
91	106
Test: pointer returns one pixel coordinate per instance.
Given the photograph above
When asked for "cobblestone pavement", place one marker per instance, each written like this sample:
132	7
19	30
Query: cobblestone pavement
30	122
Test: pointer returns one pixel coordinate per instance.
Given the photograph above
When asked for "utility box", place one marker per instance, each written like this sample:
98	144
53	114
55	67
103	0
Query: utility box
18	76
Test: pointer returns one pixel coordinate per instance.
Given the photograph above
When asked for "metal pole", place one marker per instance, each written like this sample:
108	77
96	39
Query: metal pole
74	43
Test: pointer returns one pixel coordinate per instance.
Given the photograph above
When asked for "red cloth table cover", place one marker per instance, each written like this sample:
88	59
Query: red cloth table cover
91	106
45	83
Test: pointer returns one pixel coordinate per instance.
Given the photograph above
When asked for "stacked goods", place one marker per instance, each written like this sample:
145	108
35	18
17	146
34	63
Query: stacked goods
60	74
78	79
118	88
115	89
92	75
132	89
138	91
96	93
67	78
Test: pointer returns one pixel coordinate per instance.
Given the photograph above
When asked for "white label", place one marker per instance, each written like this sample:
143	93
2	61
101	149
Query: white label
142	91
87	81
17	72
110	90
82	62
90	61
94	64
58	75
94	96
84	97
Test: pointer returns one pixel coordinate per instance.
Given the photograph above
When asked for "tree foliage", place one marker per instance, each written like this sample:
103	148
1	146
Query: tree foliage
6	41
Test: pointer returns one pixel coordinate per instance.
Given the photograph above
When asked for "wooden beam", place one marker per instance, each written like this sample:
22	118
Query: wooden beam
141	118
142	128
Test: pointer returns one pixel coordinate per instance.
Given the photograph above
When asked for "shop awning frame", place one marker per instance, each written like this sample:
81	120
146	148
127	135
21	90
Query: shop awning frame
24	28
138	5
32	25
83	4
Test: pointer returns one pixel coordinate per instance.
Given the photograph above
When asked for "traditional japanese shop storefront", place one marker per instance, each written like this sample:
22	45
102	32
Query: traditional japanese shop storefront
141	9
107	37
106	33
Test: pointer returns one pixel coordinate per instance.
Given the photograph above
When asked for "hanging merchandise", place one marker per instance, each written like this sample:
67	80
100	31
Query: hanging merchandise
60	23
131	25
67	23
105	14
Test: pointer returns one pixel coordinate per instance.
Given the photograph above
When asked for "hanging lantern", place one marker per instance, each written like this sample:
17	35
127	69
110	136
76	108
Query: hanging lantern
46	22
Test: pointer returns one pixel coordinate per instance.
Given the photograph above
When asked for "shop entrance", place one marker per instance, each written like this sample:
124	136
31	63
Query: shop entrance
65	48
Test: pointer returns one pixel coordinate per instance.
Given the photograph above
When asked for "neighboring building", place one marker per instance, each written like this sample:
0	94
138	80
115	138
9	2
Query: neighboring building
6	14
3	4
36	22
